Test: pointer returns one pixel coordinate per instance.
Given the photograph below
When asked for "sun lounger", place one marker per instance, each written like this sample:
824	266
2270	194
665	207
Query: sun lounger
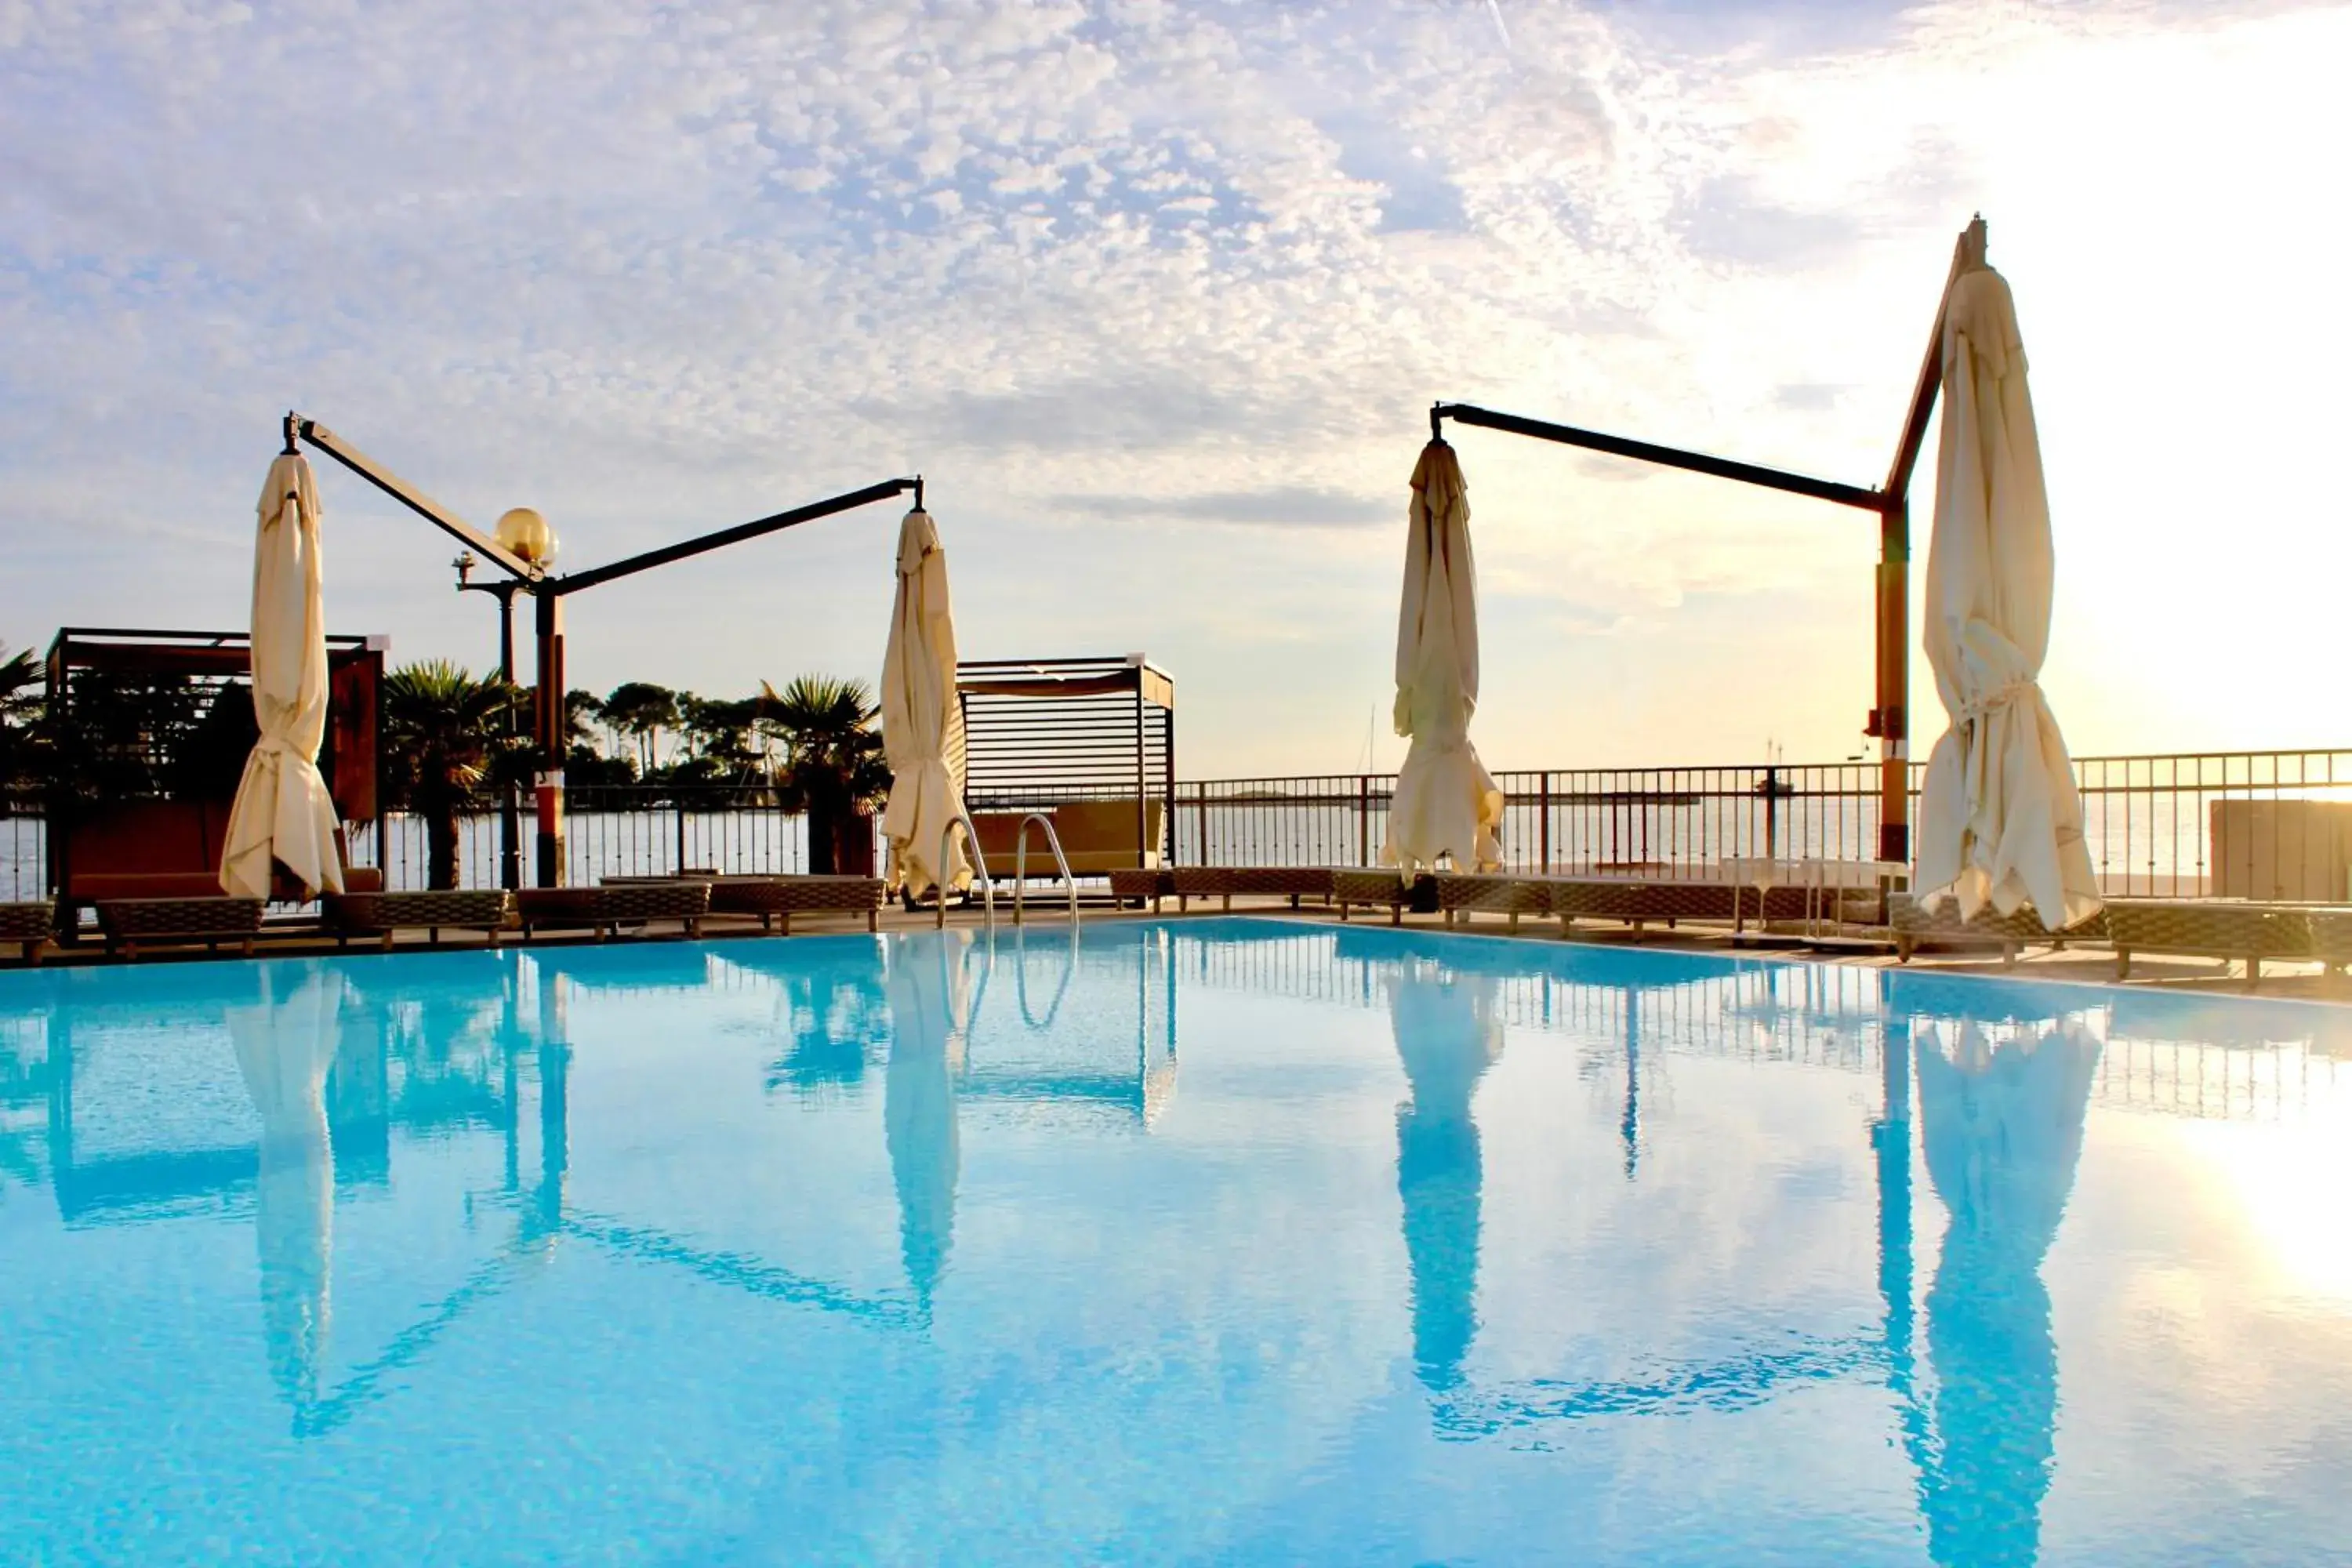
1222	882
1381	888
131	923
30	926
1133	886
2209	928
776	899
686	901
1914	925
383	915
606	909
2331	936
1462	894
561	908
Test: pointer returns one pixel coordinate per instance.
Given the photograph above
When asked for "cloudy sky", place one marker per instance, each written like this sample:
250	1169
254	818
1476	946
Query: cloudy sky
1156	293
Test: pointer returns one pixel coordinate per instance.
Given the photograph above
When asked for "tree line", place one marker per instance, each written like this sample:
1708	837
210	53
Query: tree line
452	742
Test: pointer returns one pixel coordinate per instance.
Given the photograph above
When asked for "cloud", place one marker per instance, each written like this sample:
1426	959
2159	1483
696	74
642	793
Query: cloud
1292	506
653	269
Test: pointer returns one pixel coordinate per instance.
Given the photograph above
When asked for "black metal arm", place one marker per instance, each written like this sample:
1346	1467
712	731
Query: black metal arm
399	489
573	581
440	517
1669	457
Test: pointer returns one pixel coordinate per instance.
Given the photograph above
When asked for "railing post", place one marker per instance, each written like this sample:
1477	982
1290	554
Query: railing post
1363	819
678	865
1543	823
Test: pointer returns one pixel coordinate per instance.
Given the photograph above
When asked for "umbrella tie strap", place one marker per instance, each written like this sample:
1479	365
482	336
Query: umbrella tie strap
1999	697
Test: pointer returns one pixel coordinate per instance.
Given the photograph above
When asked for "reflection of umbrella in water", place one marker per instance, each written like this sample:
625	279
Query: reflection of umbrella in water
1449	1030
2003	1131
930	1012
284	1048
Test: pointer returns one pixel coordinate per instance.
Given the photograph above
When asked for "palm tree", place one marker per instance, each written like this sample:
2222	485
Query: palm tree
444	733
20	714
833	762
641	709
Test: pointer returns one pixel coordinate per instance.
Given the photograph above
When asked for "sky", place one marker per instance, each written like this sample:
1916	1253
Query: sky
1156	295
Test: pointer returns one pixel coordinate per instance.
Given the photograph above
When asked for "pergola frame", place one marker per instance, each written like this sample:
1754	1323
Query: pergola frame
1888	719
547	593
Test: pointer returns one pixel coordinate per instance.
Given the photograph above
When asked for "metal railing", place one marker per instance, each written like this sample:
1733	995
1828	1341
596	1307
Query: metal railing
2269	823
2158	825
611	832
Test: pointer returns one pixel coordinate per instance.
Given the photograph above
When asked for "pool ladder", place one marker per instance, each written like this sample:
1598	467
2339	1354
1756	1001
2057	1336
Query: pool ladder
1061	863
979	864
1020	864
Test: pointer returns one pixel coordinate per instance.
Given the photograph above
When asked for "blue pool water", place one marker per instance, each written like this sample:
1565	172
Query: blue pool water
1219	1241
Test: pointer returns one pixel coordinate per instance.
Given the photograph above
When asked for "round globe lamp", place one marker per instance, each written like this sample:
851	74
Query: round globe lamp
524	535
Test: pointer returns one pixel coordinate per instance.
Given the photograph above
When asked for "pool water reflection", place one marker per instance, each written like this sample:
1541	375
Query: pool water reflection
1217	1241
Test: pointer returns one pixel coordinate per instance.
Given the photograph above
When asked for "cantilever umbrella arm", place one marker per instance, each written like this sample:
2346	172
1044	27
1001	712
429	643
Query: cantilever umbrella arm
1651	452
433	511
406	494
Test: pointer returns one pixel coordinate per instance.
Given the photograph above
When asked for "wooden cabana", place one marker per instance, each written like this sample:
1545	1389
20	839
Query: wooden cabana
162	722
1089	742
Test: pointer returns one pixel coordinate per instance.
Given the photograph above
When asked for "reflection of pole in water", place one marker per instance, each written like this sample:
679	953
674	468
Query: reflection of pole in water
1890	1141
1628	1126
554	1110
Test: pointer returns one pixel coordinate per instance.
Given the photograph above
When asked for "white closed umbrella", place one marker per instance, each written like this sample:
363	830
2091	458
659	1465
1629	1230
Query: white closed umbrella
922	723
2001	820
283	811
1446	801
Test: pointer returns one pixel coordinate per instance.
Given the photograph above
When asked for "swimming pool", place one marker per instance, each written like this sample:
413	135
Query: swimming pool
1213	1241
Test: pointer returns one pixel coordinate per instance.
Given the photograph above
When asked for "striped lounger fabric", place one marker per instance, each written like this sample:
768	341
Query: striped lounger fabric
382	915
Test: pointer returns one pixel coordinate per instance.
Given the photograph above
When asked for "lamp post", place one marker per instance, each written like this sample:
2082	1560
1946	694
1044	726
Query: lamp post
509	804
524	535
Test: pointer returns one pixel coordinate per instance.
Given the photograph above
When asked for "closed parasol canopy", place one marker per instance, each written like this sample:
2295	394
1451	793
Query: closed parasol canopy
283	812
922	723
1446	801
2001	821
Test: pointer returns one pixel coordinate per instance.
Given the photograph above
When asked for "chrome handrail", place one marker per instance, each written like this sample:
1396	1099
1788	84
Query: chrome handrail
1021	862
979	865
